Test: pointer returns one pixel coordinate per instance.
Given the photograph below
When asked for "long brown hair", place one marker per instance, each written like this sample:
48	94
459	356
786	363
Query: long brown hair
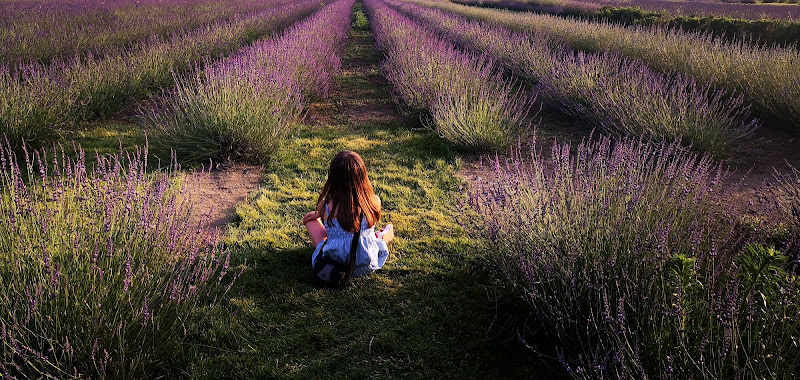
349	190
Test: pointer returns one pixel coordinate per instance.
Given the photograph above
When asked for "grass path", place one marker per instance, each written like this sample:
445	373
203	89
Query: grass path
425	315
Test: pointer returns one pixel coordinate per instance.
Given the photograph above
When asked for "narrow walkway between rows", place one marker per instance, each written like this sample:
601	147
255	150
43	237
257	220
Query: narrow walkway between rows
425	314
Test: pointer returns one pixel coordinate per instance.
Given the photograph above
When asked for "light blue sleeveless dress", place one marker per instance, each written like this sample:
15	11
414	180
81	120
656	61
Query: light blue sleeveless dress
370	256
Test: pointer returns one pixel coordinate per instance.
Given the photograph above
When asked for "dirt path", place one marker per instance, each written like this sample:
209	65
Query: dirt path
771	151
359	96
218	191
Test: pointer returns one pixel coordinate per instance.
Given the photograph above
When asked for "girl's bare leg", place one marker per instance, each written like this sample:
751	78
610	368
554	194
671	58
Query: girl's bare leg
315	229
387	233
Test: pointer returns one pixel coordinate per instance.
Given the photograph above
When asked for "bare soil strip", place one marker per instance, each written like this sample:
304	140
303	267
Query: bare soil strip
218	191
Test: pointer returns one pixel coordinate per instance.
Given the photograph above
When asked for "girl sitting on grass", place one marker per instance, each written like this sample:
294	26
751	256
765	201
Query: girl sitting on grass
346	204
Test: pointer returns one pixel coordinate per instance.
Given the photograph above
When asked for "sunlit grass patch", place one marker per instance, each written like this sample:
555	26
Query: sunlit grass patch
107	137
414	188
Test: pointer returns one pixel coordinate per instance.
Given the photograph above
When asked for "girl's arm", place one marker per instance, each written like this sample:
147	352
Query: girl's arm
316	214
311	216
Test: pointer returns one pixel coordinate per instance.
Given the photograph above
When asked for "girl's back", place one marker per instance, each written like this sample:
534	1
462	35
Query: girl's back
371	254
346	204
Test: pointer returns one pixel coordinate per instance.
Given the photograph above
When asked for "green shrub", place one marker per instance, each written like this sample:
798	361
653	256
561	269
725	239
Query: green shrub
104	272
631	267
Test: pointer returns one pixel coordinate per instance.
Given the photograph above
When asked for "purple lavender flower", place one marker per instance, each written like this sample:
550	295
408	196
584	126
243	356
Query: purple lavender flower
128	274
51	269
633	279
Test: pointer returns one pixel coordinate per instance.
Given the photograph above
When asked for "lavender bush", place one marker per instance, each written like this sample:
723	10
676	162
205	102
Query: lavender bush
634	266
766	76
782	199
625	97
605	89
31	110
470	103
104	271
40	31
37	101
242	107
485	118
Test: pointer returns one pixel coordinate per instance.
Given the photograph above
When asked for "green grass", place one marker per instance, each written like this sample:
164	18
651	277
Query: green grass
360	21
425	315
106	137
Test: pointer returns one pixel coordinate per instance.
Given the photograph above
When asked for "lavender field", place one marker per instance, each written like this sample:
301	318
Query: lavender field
747	9
35	31
571	198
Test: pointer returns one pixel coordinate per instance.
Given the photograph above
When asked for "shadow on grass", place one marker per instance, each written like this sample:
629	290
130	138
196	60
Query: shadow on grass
409	322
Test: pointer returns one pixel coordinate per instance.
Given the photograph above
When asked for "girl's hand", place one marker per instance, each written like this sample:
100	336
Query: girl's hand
310	217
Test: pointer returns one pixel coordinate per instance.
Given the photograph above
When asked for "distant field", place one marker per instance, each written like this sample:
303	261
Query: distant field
745	10
42	31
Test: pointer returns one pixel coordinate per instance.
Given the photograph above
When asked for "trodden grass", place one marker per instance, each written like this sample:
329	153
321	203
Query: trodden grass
427	314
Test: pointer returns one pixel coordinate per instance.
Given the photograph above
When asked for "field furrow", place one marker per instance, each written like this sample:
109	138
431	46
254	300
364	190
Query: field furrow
242	107
621	96
767	76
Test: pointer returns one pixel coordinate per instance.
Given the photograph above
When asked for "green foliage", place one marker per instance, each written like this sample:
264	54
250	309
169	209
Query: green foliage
627	15
765	31
629	264
103	272
360	21
761	273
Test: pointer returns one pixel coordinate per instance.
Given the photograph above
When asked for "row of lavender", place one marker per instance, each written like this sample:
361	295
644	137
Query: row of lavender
619	95
103	269
242	107
702	8
36	101
108	272
470	103
39	31
636	263
766	76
